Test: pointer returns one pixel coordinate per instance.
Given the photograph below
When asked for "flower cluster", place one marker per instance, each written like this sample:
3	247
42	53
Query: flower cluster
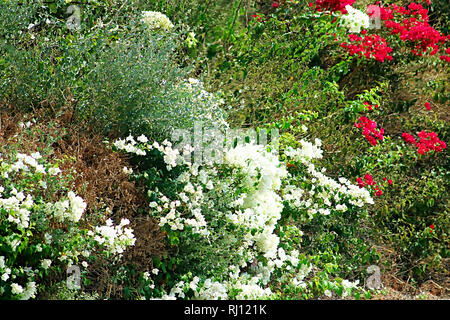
368	181
333	5
368	46
411	24
114	238
370	131
43	230
428	141
446	57
18	207
370	107
156	20
241	201
354	20
71	209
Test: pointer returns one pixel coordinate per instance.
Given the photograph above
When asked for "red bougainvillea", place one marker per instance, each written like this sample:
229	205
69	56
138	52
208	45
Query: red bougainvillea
370	131
411	24
368	181
369	106
428	141
369	46
333	5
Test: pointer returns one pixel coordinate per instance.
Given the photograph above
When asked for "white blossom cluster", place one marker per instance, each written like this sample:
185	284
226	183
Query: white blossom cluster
264	185
129	145
355	20
333	195
115	239
156	20
9	273
67	210
21	212
18	207
27	163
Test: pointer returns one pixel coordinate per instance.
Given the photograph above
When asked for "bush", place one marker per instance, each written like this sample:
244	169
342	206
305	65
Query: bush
44	225
235	226
118	79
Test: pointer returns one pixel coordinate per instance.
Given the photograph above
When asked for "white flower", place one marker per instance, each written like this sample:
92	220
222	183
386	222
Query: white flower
142	139
77	206
48	238
355	20
36	155
54	171
156	20
155	271
46	263
16	288
127	170
30	291
5	276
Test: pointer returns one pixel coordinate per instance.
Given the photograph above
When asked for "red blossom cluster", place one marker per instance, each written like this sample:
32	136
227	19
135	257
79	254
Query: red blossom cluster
368	181
370	131
428	141
446	58
257	17
411	25
369	106
369	46
408	138
333	5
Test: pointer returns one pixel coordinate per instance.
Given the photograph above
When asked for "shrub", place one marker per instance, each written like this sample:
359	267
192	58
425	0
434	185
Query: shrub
231	223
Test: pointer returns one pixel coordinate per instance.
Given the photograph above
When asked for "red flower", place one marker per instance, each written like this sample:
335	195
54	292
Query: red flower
369	46
369	130
361	183
378	192
257	17
368	179
408	138
431	228
427	105
275	4
390	182
428	141
445	58
411	24
333	5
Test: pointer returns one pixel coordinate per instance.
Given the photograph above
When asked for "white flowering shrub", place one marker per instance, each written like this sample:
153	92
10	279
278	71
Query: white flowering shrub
41	226
232	222
355	20
115	239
